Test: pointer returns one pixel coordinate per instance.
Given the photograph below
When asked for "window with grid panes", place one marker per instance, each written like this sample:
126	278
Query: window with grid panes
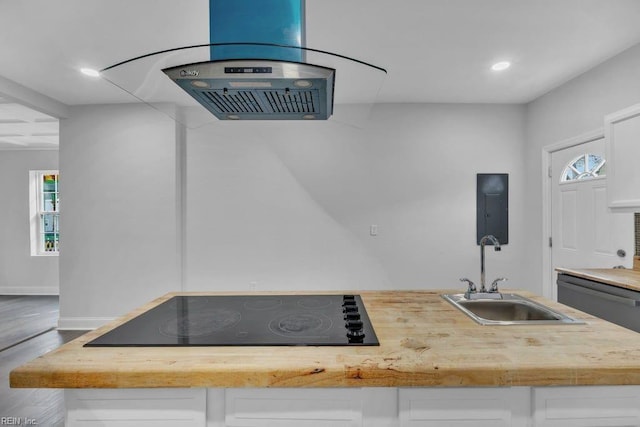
46	218
49	214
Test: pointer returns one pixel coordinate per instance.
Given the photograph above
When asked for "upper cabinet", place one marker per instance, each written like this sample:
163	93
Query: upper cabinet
622	132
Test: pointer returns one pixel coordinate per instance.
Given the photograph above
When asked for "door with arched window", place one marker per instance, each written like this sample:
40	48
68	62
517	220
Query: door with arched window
585	232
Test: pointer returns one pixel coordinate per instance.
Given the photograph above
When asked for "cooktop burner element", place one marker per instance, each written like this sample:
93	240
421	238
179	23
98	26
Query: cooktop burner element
200	323
310	325
248	320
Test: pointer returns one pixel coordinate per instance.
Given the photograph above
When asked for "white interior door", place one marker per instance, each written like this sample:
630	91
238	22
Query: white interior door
585	232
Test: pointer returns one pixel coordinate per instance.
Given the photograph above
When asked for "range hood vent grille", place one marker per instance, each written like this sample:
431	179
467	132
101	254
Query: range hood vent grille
266	101
258	89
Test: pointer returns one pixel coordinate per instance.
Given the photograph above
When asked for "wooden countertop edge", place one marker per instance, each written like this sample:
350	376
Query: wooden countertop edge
73	366
475	377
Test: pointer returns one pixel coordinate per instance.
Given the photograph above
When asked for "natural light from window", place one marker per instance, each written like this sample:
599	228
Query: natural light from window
45	212
584	166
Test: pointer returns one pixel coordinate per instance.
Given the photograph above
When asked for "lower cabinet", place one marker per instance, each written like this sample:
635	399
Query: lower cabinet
606	406
319	407
586	406
477	407
158	407
293	408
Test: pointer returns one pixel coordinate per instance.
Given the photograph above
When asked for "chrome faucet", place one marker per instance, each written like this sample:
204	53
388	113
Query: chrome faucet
493	292
496	247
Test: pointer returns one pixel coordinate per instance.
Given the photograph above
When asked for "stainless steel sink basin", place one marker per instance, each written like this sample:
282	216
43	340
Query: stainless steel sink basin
511	309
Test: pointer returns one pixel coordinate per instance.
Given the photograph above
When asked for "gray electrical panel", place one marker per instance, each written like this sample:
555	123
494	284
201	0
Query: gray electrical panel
492	206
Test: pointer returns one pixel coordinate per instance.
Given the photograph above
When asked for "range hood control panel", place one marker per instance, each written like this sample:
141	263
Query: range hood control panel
248	70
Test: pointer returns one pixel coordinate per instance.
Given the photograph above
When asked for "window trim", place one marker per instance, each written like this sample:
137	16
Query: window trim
36	210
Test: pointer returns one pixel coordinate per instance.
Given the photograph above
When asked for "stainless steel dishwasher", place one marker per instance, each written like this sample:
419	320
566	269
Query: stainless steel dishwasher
617	305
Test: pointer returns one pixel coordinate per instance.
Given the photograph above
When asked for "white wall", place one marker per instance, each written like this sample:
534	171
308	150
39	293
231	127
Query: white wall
289	205
20	273
119	227
283	206
577	107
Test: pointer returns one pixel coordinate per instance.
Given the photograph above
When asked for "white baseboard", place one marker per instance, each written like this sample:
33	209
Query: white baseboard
82	323
29	290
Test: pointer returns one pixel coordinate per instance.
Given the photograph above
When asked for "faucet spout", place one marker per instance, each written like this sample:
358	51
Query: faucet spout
496	247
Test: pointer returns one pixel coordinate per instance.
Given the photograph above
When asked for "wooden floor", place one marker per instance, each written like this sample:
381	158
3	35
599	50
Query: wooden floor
27	330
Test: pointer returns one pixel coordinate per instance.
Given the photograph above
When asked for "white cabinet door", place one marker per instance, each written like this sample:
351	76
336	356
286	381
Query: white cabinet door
611	406
158	407
465	407
291	407
622	132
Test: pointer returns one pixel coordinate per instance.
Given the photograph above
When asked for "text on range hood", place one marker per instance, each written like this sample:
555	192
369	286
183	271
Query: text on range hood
258	89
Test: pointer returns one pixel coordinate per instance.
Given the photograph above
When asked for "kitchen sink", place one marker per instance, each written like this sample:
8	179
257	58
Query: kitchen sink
509	309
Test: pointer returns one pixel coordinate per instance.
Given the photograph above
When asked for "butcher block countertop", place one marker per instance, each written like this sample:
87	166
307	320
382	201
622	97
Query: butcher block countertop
424	341
623	278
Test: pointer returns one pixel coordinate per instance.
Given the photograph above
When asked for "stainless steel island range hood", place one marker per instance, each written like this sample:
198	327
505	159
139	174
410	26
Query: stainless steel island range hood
258	89
255	67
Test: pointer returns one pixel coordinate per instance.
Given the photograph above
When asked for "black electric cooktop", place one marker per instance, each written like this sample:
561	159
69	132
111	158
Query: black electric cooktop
254	320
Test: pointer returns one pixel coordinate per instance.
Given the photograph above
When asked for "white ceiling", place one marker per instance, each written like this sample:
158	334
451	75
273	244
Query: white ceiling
433	50
24	128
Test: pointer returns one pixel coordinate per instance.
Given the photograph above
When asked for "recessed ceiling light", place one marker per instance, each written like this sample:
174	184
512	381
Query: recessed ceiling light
90	72
502	65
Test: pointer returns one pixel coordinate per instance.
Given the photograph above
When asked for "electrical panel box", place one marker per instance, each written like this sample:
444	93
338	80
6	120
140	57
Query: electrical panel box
492	206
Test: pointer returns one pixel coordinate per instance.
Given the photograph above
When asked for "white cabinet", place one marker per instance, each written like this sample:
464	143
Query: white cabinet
303	407
158	407
622	132
465	407
586	406
290	407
